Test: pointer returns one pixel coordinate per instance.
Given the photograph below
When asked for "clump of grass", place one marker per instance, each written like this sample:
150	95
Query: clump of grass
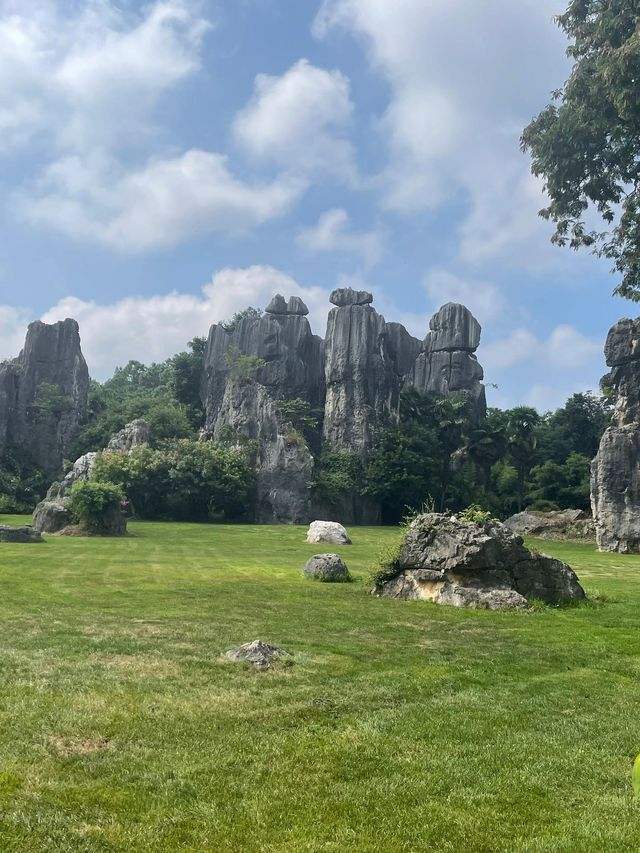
388	565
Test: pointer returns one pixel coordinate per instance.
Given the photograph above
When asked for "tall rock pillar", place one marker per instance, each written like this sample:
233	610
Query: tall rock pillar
615	472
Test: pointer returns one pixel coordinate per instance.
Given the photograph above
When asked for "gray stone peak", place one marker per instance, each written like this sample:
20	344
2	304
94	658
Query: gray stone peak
623	342
344	296
279	306
453	328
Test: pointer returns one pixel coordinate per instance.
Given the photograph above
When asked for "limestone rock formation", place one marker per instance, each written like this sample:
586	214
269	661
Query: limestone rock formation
354	378
447	365
43	394
327	532
561	524
615	472
133	434
327	568
485	566
21	535
261	655
52	514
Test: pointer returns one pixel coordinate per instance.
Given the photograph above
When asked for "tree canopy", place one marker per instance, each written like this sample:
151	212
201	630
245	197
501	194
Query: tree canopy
586	144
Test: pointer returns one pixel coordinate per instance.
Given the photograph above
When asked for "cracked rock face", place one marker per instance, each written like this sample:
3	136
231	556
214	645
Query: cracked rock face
464	564
43	394
615	472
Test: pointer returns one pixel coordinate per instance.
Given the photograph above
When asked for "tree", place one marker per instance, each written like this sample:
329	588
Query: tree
586	145
521	444
250	313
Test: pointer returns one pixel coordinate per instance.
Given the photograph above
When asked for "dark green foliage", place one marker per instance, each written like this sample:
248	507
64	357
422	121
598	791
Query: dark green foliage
586	145
187	372
303	417
50	402
249	314
22	483
242	368
336	475
185	480
91	501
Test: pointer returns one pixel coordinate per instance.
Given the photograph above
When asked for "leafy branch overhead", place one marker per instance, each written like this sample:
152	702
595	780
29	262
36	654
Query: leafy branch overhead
586	144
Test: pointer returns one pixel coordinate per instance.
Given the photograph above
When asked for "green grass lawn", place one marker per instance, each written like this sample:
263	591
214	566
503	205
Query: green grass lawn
402	726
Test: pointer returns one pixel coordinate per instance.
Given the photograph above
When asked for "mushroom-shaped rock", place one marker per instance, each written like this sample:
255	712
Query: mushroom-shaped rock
484	565
327	532
260	654
278	305
296	306
8	533
328	568
344	296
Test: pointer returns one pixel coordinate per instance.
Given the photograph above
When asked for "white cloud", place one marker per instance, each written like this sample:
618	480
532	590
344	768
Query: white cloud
161	204
333	233
300	120
152	329
91	76
482	298
465	78
13	325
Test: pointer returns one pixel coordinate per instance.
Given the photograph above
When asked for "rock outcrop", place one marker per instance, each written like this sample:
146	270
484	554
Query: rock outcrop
43	394
485	566
52	514
447	365
353	378
21	535
560	524
615	472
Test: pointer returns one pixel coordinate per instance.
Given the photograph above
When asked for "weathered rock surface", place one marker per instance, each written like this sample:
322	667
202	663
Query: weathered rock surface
615	472
560	524
43	394
330	532
19	534
447	365
464	564
261	655
133	434
51	516
343	296
327	568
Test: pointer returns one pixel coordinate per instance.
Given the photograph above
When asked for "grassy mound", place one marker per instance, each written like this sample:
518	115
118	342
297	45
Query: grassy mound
401	726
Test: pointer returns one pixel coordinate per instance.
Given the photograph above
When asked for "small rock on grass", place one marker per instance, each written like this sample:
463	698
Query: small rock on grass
260	654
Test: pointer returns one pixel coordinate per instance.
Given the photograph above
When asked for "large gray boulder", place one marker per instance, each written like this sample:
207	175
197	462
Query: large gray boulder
327	568
615	472
51	516
21	535
485	566
328	532
559	524
43	394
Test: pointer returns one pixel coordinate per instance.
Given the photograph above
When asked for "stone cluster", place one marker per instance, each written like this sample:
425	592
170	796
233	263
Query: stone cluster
353	377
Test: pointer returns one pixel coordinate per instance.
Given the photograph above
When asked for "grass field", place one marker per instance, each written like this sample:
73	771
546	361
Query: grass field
402	726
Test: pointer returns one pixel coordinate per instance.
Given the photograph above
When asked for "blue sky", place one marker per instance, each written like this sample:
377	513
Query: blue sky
164	164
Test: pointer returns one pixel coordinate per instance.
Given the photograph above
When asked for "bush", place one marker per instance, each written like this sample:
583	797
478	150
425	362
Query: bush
184	481
476	514
91	502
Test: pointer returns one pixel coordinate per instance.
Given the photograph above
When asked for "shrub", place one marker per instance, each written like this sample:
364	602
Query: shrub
388	565
476	515
91	502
